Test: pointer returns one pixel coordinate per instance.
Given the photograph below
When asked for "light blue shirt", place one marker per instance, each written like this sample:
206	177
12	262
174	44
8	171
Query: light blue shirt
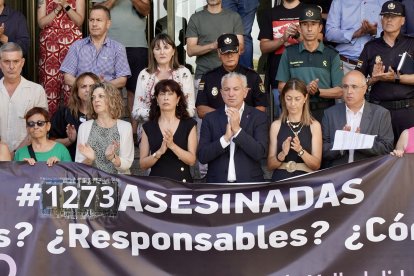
345	17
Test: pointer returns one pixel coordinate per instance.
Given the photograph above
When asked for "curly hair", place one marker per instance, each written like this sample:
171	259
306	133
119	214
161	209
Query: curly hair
164	86
74	100
152	62
300	86
113	97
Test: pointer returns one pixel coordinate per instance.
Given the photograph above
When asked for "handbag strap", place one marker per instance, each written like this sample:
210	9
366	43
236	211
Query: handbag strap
31	152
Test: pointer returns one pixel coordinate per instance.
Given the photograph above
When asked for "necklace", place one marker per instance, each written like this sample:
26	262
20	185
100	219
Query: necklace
294	126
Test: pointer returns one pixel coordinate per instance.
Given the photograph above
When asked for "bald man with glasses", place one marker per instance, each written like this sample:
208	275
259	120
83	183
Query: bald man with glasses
355	115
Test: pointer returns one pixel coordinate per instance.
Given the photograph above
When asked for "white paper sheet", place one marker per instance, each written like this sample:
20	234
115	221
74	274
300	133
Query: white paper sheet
347	140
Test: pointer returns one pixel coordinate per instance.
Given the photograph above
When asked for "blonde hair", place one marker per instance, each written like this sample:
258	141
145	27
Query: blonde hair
114	99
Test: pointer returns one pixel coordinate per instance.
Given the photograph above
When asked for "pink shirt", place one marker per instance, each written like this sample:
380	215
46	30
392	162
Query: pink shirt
410	143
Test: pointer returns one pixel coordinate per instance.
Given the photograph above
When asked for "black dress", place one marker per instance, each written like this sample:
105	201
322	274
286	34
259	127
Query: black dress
305	137
60	120
169	165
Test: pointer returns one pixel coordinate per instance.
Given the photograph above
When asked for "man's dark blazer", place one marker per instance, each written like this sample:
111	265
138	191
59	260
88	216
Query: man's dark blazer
251	146
375	120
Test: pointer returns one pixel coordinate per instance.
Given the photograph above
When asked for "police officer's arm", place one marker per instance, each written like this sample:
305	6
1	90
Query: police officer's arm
193	49
331	93
407	79
202	110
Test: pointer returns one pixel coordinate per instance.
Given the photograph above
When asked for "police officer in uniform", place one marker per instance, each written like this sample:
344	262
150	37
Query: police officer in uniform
209	96
311	61
380	58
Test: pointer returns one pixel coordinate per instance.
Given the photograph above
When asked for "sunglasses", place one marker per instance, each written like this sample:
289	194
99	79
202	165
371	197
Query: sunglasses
38	123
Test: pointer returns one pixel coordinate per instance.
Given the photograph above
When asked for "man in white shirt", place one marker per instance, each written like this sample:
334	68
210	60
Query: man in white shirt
356	115
17	96
234	138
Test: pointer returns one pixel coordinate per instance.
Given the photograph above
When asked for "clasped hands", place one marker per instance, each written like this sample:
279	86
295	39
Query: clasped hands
233	126
379	74
366	28
291	143
167	141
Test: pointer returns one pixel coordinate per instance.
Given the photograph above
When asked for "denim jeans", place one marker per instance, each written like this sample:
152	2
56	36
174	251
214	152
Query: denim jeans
247	10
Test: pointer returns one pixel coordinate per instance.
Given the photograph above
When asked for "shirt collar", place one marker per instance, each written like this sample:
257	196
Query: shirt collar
320	48
240	110
360	111
106	41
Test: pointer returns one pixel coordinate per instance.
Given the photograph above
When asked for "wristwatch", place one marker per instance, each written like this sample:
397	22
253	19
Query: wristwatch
301	152
317	93
67	8
396	78
155	155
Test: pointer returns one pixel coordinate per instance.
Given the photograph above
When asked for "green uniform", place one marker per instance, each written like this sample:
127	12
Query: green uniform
323	64
58	150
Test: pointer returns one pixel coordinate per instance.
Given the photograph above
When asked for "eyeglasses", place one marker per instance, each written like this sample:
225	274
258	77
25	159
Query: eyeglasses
38	123
352	86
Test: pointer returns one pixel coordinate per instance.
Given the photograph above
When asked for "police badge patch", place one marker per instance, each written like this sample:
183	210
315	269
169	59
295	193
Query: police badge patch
214	91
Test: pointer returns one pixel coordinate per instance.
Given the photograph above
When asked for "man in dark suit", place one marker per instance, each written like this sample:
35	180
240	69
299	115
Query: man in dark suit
234	138
356	115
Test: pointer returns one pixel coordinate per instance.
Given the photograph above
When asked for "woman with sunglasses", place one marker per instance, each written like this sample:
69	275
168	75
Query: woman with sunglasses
41	148
105	142
66	121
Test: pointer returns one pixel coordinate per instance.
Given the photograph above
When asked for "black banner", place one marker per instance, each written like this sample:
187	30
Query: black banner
71	219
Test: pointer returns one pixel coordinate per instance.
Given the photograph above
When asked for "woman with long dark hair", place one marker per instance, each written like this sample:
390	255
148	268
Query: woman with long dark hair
171	150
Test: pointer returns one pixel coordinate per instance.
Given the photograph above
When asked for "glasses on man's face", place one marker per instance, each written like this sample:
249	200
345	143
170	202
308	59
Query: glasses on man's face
38	123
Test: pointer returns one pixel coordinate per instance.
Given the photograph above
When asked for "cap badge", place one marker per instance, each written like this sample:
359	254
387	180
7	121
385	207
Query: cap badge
309	13
391	6
228	40
214	91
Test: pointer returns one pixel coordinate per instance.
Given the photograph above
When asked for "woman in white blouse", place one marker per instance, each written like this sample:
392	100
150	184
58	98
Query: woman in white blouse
163	64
